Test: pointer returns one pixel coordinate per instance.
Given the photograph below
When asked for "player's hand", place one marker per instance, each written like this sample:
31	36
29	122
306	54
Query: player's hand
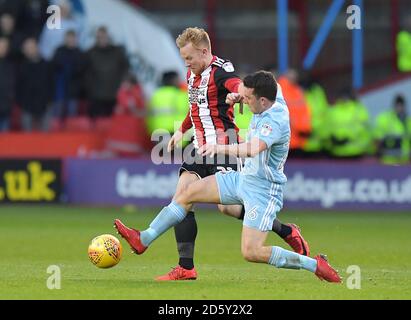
208	150
233	98
175	139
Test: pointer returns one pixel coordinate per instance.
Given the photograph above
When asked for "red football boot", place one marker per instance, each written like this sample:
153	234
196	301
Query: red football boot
132	236
324	271
179	273
296	241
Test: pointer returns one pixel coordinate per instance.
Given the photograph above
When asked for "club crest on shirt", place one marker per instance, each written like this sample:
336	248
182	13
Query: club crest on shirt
228	66
266	130
204	81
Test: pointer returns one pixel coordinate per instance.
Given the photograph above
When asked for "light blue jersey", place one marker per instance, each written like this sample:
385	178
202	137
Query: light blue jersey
259	186
273	127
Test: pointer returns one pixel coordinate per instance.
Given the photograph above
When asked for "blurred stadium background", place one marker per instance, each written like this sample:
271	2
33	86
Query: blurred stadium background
78	106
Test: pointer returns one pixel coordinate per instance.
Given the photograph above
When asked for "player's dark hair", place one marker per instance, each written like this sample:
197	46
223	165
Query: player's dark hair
263	83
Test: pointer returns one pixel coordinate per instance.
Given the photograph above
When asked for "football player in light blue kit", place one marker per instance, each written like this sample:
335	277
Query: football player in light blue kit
259	186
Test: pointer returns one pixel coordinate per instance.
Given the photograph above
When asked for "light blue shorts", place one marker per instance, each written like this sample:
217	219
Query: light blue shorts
261	199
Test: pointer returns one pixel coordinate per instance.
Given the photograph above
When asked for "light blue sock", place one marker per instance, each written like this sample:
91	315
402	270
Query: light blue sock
167	218
282	258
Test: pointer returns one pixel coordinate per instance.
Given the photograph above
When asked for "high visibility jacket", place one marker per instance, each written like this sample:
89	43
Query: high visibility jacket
318	105
348	131
394	136
242	120
167	107
404	51
300	119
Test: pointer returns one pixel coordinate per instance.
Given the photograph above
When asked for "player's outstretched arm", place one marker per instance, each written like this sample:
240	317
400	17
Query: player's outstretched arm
179	134
243	150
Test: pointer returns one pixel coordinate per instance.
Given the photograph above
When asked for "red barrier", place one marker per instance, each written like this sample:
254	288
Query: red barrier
50	145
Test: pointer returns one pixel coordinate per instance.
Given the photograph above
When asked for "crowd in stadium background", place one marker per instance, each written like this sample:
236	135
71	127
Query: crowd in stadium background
49	83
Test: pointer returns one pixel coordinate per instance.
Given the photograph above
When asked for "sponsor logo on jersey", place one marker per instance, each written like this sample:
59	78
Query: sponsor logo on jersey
197	95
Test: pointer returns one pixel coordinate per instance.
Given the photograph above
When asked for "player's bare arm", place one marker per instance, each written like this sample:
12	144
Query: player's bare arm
243	150
179	134
175	139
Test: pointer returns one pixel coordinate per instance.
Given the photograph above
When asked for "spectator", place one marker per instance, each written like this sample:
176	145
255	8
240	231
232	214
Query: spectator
31	16
392	133
11	6
68	70
300	120
168	104
242	116
404	47
242	120
130	98
33	87
348	134
318	106
6	85
106	66
128	134
7	30
51	39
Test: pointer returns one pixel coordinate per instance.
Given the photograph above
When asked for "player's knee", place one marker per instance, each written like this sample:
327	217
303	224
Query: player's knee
224	209
249	253
182	196
231	210
184	185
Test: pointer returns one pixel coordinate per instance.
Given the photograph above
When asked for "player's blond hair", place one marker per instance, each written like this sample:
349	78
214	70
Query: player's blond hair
197	36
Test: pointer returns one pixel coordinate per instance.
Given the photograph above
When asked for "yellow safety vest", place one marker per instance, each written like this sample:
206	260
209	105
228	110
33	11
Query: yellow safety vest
404	51
167	108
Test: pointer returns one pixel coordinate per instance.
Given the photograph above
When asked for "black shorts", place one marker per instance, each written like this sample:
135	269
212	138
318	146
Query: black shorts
206	166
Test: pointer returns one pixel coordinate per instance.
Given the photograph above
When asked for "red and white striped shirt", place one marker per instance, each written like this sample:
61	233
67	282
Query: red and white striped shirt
209	114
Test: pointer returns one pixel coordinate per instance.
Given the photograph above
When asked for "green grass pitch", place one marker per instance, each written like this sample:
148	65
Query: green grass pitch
35	237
